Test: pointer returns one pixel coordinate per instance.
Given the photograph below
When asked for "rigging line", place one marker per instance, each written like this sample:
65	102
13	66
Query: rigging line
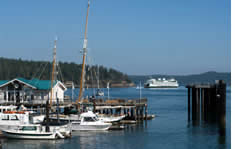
60	73
43	70
34	76
40	74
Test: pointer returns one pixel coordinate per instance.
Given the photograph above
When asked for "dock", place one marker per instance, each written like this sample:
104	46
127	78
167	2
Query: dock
207	103
135	109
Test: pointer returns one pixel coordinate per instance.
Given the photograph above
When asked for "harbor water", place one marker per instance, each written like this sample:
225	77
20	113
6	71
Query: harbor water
169	130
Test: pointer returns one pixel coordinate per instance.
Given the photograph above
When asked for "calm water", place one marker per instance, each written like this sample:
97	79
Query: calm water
169	130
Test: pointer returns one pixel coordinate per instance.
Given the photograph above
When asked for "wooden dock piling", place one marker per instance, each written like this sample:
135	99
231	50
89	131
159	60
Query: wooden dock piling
146	111
189	104
208	104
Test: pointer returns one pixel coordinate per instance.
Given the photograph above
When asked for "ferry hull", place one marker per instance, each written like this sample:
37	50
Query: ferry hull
161	86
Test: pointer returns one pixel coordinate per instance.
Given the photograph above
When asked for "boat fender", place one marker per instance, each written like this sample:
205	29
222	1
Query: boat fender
59	135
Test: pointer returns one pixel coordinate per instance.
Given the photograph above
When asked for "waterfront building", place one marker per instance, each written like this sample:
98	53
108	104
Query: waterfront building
35	91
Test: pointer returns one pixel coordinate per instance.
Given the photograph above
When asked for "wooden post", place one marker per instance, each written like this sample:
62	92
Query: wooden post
142	113
132	113
222	111
202	103
198	105
213	104
135	113
47	117
206	104
189	103
146	111
193	104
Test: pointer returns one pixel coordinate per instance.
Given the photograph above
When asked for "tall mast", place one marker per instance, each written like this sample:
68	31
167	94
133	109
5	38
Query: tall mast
53	74
98	80
83	61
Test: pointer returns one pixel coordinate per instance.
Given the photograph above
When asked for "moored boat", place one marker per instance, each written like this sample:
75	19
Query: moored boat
32	131
110	118
89	121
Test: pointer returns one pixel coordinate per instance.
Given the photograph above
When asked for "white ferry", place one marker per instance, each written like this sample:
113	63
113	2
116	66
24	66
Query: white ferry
161	83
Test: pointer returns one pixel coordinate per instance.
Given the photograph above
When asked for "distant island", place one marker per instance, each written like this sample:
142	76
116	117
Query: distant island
207	77
70	72
67	72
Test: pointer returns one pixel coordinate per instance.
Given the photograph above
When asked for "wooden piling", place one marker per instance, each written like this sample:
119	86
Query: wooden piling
197	106
202	104
221	95
189	105
146	112
142	113
47	116
135	116
194	104
210	101
206	104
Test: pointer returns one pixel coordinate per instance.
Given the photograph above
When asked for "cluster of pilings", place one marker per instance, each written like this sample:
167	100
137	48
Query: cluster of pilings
134	109
208	104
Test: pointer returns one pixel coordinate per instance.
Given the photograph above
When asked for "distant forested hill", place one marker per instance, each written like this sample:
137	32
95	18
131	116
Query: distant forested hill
12	68
207	77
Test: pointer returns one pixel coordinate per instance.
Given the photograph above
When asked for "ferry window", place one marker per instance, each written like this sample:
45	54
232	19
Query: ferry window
5	117
14	117
88	119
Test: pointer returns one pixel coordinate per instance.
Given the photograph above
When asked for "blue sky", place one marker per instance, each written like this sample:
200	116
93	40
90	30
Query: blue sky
133	36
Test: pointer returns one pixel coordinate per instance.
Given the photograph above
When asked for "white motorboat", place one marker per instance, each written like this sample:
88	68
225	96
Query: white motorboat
33	131
16	118
161	83
89	121
13	119
110	118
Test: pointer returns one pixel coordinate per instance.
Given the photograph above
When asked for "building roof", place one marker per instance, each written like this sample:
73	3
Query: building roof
34	83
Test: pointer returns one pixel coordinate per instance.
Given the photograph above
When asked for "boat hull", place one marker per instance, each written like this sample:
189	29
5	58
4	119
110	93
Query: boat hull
37	136
76	126
111	119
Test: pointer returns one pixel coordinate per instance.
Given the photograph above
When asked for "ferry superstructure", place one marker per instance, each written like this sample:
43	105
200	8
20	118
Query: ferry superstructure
161	83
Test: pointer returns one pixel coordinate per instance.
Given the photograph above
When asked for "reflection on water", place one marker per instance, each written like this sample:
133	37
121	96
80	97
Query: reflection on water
37	144
83	139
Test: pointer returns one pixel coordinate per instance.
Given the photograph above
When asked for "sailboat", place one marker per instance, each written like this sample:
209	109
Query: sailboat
99	92
26	130
87	120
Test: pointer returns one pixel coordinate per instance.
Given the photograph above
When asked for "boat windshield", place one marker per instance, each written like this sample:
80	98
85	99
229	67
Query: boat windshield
90	119
29	128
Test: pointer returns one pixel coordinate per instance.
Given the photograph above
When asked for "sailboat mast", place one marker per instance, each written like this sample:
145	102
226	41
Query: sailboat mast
84	57
53	74
98	80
